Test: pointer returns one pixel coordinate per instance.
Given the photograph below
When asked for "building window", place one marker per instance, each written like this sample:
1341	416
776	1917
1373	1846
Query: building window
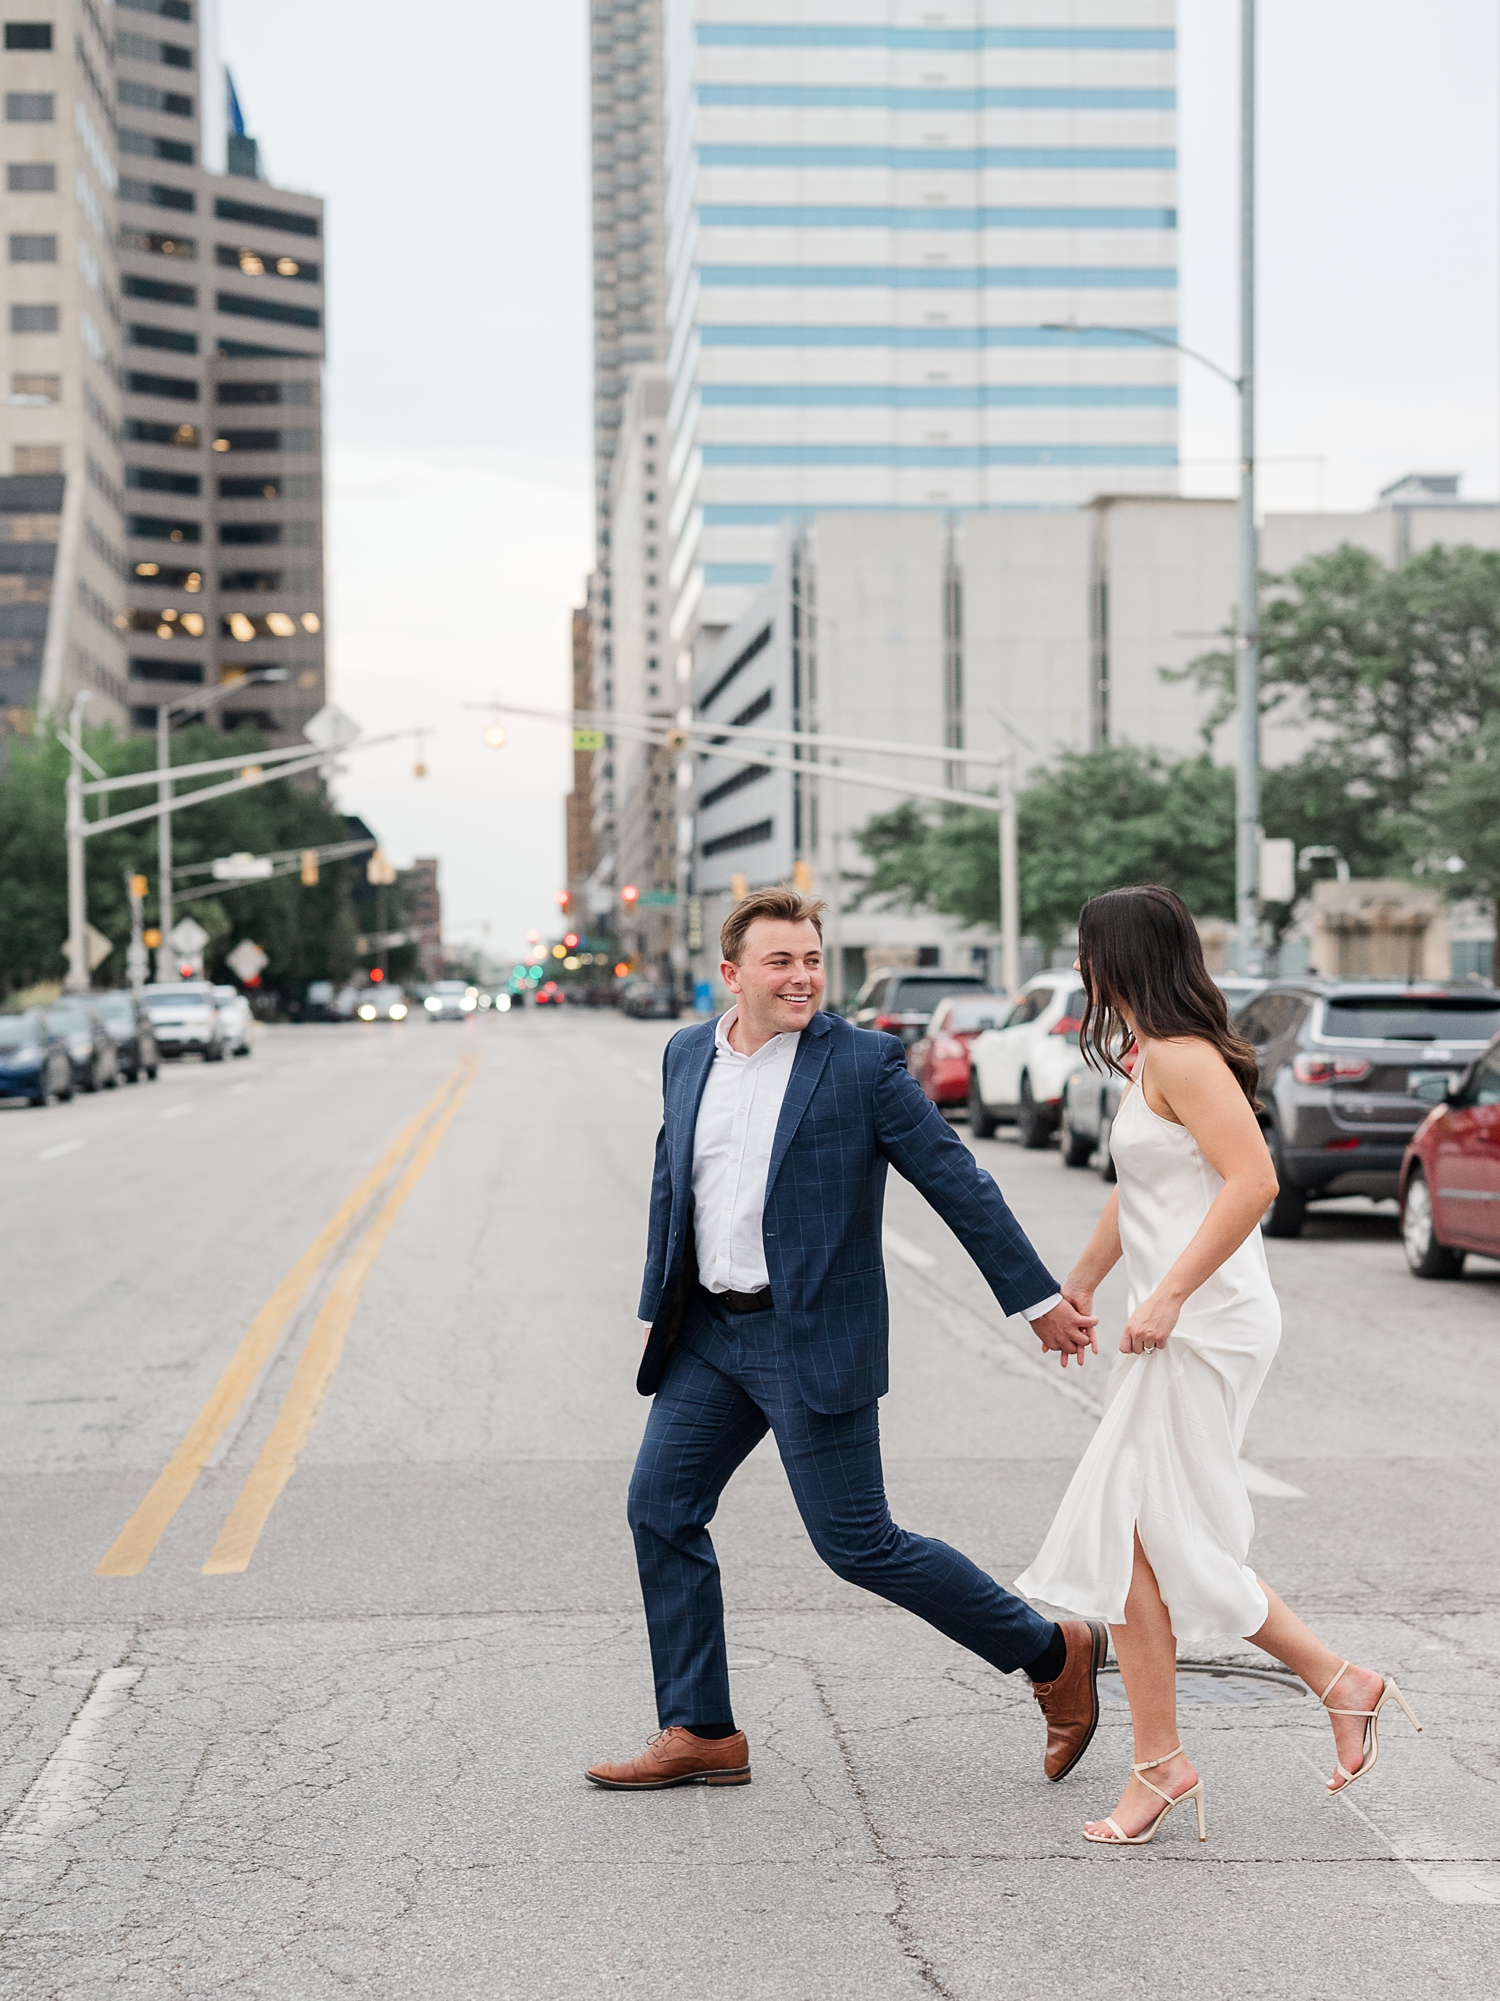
142	432
264	532
159	245
36	458
157	288
33	250
170	579
742	837
170	10
149	98
151	147
30	391
168	624
30	107
154	528
754	709
266	263
167	337
266	441
175	386
25	177
33	319
187	671
285	219
28	34
265	392
269	309
154	481
157	196
143	50
275	486
254	580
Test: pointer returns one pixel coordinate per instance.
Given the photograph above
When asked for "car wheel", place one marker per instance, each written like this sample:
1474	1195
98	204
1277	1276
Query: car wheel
151	1074
1078	1148
981	1123
1427	1257
45	1095
112	1082
1032	1123
1288	1210
1107	1172
93	1081
132	1076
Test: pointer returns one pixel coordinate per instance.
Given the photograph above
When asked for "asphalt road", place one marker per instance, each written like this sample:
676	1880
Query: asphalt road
348	1429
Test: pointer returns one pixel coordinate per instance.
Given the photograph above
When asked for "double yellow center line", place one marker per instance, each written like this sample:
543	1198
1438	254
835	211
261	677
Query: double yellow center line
133	1547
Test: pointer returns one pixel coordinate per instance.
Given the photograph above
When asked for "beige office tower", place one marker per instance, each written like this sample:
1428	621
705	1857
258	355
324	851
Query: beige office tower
629	232
61	560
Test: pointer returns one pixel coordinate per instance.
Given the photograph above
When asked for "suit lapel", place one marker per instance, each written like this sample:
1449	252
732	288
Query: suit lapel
807	1068
689	1095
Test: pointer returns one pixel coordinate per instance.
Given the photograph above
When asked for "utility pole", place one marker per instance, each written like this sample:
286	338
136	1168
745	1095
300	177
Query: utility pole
78	962
166	958
1247	638
1010	881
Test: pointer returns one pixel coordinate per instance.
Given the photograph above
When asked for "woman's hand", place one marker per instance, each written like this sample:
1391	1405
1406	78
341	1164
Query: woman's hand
1150	1325
1078	1295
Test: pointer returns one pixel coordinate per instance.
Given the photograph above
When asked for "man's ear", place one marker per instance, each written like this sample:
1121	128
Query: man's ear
730	974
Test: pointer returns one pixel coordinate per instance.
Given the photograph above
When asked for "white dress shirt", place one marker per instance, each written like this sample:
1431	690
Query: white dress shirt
732	1144
732	1141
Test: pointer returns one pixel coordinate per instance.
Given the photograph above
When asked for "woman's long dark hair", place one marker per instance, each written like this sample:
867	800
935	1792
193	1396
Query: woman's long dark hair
1139	948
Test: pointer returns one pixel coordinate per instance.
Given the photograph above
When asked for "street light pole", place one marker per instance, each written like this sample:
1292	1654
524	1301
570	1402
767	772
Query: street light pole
78	963
1247	638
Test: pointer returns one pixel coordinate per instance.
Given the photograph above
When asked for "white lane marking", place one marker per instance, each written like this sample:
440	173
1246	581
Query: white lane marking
908	1252
177	1111
1258	1481
57	1152
1448	1880
72	1780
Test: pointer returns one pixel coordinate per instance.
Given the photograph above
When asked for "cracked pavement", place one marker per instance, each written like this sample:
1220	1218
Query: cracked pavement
356	1767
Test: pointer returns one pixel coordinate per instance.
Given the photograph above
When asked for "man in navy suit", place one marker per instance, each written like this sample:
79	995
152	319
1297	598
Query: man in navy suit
766	1296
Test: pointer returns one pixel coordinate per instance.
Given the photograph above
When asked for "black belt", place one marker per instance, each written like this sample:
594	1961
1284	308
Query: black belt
742	1302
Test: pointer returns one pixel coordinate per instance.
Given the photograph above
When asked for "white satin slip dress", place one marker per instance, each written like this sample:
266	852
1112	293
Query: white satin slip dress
1165	1459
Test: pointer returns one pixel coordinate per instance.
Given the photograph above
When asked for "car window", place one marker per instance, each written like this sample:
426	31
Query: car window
16	1030
1412	1017
1485	1088
1028	1007
919	996
1264	1019
963	1015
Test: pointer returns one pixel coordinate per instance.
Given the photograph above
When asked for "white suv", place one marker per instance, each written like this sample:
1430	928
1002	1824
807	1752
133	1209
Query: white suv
1017	1071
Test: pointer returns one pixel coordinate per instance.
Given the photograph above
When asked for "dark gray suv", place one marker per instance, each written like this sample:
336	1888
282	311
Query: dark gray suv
1339	1060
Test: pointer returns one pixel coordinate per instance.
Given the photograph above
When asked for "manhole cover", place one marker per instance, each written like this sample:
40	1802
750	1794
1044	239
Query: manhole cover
1228	1687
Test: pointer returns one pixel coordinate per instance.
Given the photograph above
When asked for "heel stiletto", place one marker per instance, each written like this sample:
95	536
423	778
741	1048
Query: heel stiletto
1120	1839
1388	1689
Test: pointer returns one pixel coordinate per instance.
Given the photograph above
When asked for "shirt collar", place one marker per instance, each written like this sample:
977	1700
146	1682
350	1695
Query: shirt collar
724	1047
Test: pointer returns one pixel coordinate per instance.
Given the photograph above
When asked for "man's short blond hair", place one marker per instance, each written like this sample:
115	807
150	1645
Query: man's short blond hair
780	902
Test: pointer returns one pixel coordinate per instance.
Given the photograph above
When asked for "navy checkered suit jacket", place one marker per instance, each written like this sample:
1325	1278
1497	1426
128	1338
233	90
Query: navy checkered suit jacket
851	1108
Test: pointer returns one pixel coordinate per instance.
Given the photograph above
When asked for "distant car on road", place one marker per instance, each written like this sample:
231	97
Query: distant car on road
451	1000
134	1038
185	1019
900	1000
34	1060
550	994
1339	1063
234	1013
939	1058
1450	1176
1018	1070
647	1000
91	1047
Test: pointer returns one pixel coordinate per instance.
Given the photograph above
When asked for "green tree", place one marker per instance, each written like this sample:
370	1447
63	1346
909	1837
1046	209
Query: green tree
309	933
1094	821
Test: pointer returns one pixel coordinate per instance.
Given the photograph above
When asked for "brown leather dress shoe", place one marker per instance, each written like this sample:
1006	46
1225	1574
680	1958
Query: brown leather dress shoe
1071	1703
675	1757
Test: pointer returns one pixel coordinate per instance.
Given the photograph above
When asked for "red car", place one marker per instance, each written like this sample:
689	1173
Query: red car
1450	1176
940	1059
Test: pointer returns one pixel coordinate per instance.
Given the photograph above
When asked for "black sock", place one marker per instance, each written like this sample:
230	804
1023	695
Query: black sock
1051	1661
721	1729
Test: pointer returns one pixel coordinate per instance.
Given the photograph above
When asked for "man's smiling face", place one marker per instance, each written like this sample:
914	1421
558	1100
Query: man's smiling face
779	981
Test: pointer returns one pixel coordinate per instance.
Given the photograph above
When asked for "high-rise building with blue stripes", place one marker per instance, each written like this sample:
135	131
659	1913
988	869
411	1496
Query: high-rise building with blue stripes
883	216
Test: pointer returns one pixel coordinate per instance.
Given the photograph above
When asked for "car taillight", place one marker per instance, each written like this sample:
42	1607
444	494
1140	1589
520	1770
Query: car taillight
1329	1069
1069	1025
947	1049
885	1021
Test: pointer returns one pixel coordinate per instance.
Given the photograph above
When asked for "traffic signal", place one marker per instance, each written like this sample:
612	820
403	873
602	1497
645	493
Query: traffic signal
151	938
138	885
571	941
309	868
629	894
564	898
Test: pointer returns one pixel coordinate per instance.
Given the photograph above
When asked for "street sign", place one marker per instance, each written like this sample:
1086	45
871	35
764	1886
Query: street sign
97	947
242	868
330	729
588	739
247	961
188	938
659	899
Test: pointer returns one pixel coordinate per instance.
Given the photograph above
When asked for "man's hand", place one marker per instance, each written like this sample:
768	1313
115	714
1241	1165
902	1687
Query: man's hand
645	1332
1065	1331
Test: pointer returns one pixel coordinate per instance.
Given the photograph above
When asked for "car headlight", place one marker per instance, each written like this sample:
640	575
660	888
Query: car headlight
367	1013
32	1053
398	1011
432	1004
502	1003
469	1005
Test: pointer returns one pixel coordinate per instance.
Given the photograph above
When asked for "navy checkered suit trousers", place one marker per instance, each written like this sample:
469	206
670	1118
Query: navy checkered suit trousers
810	1370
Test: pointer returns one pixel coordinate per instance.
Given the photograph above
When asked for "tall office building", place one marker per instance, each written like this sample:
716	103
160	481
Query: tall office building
881	214
164	344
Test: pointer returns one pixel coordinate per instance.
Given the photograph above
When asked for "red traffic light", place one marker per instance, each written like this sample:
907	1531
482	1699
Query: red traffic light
629	893
564	898
376	975
571	941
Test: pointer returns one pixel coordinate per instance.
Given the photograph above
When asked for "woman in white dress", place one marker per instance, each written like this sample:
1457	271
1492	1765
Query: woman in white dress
1154	1530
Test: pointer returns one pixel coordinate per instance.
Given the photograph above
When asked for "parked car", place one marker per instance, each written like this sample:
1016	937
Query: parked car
34	1060
550	994
1091	1100
1450	1176
1018	1070
900	1000
235	1015
185	1017
645	1000
939	1058
451	1000
91	1047
1338	1064
134	1038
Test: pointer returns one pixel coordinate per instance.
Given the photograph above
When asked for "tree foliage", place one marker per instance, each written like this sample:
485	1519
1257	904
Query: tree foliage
308	933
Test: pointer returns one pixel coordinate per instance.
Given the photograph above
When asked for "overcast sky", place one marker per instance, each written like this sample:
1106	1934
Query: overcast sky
451	144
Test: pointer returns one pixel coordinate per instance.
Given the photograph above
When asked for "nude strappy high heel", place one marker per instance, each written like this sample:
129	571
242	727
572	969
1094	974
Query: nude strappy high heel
1388	1689
1120	1839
